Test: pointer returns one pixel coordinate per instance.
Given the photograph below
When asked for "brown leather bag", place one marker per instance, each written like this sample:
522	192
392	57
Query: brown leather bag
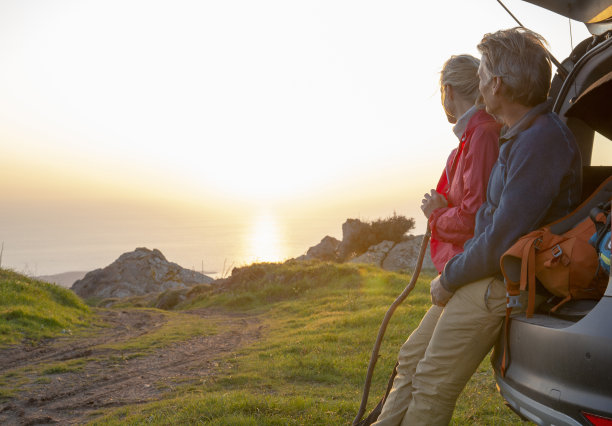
566	265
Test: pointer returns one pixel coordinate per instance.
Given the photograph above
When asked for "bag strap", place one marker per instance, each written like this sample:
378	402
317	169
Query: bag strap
506	354
526	252
523	252
531	282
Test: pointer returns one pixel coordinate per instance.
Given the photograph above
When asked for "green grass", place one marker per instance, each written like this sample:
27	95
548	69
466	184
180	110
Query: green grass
12	382
70	366
6	392
32	309
321	321
176	328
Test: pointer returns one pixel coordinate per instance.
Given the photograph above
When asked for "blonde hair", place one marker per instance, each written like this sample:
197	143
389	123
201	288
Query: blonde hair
461	72
520	58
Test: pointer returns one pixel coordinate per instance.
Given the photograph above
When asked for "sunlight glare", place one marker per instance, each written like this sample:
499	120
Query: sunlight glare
264	238
602	151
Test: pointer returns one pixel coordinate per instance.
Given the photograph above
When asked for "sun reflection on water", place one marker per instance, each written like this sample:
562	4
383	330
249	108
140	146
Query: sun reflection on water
265	240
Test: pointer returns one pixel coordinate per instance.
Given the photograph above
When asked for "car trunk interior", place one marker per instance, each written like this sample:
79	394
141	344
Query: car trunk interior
590	118
584	102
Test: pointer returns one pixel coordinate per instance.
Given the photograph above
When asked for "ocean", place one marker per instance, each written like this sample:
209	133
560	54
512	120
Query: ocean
213	246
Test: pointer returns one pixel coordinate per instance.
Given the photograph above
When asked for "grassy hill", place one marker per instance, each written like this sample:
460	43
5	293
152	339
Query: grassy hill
320	321
31	309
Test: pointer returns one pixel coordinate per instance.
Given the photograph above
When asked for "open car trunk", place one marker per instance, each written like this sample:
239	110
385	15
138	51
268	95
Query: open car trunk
595	14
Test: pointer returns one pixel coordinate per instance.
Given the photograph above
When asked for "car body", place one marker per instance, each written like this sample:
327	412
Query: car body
560	368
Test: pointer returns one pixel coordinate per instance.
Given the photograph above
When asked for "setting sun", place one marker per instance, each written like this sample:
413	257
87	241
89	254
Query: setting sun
265	242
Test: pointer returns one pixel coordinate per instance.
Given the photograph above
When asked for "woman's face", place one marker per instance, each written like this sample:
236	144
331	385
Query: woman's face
447	104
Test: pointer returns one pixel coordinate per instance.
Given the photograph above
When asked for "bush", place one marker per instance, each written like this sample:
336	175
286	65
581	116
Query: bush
358	236
392	228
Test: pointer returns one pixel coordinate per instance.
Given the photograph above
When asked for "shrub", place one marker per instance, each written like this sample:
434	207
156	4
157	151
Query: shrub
392	228
358	236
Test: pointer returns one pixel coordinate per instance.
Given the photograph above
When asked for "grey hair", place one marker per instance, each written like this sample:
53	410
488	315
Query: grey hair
520	58
461	72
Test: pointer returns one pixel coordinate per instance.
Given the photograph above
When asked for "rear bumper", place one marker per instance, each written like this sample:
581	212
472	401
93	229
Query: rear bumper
533	410
559	368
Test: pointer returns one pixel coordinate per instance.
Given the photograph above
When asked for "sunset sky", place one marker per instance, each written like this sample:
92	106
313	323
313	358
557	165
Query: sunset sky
129	118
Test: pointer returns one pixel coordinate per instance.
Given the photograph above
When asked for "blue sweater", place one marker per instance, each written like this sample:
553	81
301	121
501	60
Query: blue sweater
537	179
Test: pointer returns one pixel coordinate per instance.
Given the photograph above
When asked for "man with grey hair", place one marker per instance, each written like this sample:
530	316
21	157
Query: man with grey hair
537	179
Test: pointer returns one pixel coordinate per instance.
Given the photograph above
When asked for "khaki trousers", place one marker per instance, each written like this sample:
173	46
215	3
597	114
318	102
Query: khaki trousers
441	355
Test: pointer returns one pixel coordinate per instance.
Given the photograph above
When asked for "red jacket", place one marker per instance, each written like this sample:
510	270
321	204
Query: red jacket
467	168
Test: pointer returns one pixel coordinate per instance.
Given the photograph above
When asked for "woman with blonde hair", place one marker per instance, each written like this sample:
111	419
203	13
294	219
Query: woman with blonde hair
451	207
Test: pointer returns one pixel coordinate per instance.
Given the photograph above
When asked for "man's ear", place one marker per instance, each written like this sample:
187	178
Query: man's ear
497	85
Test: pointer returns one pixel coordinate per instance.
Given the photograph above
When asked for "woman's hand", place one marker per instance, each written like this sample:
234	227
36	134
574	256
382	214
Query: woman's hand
431	202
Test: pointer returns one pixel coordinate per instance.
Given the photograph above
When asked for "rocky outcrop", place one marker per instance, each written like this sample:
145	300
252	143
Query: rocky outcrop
358	236
327	249
136	273
400	256
376	254
352	230
404	255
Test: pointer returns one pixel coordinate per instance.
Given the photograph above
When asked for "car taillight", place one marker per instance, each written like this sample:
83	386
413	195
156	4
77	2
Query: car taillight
597	420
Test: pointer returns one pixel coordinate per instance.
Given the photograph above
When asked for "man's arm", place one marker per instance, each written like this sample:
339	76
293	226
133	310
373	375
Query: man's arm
535	168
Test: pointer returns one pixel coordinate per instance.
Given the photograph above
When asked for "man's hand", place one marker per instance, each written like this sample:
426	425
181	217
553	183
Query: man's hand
432	201
439	295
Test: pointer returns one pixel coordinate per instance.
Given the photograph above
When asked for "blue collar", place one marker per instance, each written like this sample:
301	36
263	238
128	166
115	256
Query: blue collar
525	122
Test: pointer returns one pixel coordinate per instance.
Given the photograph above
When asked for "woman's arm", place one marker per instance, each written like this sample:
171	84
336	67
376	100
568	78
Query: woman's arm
456	224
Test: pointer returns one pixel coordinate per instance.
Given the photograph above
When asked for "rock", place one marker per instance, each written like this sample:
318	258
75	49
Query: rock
352	230
170	299
400	256
327	249
404	255
136	273
376	254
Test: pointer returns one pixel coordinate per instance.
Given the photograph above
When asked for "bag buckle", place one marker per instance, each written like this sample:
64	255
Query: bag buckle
556	251
537	243
513	301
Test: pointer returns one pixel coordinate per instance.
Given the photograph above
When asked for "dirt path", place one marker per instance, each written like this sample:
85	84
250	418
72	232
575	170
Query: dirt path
112	378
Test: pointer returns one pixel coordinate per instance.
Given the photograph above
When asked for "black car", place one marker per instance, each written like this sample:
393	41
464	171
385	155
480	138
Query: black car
560	368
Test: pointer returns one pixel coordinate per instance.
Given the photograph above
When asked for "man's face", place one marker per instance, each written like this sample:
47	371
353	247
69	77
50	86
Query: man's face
486	87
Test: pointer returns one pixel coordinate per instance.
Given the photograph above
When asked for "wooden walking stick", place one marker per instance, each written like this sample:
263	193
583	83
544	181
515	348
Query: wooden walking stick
385	322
